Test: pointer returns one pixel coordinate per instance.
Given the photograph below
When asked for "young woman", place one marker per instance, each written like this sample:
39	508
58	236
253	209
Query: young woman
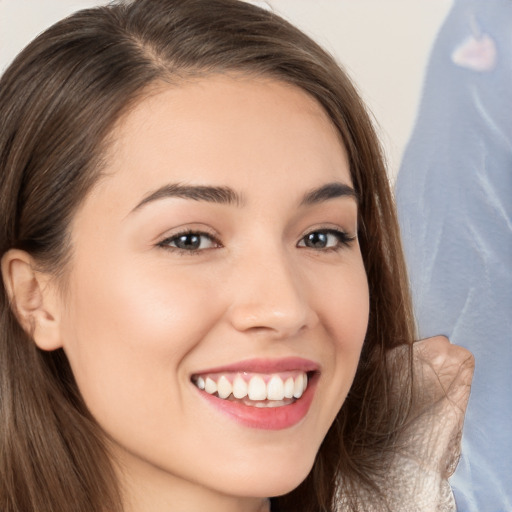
202	275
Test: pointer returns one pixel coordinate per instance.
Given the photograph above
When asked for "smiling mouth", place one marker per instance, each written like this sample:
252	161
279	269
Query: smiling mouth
255	389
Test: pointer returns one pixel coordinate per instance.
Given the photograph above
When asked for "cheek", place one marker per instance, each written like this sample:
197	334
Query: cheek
127	330
345	308
137	307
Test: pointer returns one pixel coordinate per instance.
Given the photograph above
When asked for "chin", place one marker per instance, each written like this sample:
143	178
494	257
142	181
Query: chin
275	479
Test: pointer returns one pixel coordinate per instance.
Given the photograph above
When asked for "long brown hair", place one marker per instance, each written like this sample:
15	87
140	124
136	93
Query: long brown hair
59	100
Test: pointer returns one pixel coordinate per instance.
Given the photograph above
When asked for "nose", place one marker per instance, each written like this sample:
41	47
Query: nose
270	296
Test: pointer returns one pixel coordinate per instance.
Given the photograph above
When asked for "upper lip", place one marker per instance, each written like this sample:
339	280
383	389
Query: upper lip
262	365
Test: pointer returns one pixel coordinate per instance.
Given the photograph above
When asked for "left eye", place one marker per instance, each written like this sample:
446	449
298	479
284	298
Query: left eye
325	239
189	242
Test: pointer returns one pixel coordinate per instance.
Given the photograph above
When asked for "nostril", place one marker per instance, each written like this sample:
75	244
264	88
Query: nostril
267	318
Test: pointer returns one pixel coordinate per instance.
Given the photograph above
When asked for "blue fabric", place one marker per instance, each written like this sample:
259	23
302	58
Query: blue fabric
454	196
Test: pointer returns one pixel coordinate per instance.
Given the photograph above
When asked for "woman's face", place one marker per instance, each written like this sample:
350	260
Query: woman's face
217	256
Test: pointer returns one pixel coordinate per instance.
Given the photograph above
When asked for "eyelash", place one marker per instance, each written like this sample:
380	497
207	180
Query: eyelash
343	240
165	244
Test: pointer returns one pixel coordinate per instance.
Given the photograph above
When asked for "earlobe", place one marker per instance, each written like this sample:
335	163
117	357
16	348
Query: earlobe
33	298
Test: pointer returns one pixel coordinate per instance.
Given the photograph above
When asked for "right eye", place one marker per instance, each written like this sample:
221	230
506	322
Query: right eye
189	241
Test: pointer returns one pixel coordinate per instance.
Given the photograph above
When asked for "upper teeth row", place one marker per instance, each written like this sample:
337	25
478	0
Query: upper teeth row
256	389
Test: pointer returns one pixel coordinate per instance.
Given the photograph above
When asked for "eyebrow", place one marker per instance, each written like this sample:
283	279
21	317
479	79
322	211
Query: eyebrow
210	194
226	195
329	191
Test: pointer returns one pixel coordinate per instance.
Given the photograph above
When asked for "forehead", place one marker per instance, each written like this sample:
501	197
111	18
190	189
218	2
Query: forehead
225	130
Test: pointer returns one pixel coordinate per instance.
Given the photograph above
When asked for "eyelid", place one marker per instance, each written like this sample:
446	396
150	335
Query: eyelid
332	228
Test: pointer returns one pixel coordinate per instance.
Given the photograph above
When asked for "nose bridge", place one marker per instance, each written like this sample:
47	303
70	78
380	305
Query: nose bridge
269	293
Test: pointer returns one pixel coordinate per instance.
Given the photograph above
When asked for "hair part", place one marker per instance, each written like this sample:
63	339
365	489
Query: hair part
59	102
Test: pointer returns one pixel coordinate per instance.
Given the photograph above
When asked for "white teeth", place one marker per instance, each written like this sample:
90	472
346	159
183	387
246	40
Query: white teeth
275	388
298	388
257	389
224	387
288	387
239	387
210	386
200	383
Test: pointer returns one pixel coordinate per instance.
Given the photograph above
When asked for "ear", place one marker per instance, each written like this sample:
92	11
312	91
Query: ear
34	298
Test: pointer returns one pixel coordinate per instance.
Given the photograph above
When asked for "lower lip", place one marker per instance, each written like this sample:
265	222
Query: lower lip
266	418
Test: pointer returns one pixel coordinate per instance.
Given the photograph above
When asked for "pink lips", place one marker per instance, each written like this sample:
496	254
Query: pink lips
267	366
266	418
